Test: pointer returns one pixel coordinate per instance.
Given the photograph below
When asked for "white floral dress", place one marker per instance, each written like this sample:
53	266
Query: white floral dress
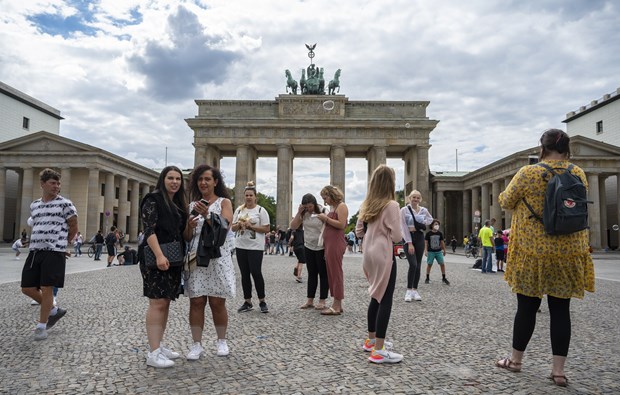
218	279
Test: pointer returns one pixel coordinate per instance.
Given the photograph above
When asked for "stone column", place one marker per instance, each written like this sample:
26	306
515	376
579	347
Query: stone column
241	174
603	198
376	157
123	210
285	166
467	212
200	154
92	208
484	202
252	155
475	200
410	158
439	211
134	210
211	156
65	182
337	167
496	210
422	176
594	215
507	213
2	201
26	198
108	200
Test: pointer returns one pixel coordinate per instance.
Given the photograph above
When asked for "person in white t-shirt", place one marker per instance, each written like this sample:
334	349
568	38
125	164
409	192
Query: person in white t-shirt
250	224
19	243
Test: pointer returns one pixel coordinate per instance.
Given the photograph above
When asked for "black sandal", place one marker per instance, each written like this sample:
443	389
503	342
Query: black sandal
559	379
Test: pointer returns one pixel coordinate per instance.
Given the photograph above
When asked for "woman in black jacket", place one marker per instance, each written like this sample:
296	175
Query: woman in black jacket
164	214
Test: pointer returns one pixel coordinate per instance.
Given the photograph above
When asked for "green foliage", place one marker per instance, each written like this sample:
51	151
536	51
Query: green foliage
352	221
269	204
400	198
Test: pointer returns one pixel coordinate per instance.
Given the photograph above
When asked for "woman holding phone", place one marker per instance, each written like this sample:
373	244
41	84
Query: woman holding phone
216	282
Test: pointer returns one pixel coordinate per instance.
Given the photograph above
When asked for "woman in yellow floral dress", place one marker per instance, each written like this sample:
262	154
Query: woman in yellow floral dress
559	266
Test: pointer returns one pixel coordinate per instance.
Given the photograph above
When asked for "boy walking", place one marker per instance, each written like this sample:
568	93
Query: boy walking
54	222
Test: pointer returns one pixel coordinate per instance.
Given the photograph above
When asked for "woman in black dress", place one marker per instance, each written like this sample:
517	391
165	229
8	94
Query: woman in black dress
164	214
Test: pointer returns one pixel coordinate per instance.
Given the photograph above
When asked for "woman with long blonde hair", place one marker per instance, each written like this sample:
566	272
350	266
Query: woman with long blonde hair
379	224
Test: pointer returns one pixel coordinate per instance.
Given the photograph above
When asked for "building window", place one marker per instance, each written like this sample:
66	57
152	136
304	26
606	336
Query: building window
26	123
116	193
599	127
102	189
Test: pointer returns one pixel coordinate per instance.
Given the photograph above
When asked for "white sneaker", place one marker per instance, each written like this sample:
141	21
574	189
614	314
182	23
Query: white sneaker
55	302
194	352
222	348
40	334
408	296
168	353
17	258
416	296
384	356
34	303
157	359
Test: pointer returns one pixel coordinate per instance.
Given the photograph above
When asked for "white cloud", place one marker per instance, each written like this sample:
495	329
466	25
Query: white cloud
496	74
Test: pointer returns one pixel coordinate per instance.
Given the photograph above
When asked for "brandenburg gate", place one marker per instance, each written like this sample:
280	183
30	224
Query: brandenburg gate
318	126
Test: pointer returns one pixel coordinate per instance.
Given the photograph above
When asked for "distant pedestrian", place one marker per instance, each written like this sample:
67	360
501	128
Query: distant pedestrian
54	223
110	243
77	244
453	244
499	251
19	243
99	240
486	238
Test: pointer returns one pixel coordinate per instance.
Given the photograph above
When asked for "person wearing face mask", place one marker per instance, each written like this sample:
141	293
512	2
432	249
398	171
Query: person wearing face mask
435	249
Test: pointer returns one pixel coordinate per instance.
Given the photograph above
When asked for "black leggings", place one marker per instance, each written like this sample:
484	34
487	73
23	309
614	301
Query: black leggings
379	313
251	263
415	260
525	321
317	270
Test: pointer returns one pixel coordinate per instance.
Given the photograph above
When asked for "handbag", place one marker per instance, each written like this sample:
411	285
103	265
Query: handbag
173	251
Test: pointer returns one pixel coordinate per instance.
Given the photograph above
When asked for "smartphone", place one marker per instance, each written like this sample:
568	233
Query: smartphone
203	201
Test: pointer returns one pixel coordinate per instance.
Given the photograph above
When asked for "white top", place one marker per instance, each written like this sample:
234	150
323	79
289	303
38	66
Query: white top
312	229
249	239
406	220
218	279
49	224
17	244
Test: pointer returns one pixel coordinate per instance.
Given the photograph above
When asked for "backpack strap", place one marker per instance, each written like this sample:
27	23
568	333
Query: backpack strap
529	207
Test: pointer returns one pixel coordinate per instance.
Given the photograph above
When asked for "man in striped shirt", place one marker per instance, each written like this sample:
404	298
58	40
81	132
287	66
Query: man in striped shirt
54	222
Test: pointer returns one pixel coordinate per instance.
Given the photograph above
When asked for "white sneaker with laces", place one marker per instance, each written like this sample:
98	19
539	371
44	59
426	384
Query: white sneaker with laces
385	356
40	334
157	359
416	296
408	296
222	348
194	352
168	353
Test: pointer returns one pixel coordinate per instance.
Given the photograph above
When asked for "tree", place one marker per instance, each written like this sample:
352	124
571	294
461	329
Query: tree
269	204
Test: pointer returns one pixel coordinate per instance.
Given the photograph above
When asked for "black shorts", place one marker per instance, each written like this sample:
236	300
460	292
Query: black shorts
44	269
499	255
300	253
350	243
111	249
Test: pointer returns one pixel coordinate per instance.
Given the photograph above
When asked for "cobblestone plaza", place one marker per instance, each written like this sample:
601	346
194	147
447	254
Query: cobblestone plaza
450	340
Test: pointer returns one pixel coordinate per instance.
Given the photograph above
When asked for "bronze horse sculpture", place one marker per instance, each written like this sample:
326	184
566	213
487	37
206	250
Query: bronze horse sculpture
290	83
335	83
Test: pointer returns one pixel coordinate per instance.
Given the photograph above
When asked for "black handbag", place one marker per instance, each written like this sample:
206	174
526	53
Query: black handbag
173	251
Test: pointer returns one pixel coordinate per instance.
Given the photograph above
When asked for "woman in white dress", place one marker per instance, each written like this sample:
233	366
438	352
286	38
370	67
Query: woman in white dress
215	283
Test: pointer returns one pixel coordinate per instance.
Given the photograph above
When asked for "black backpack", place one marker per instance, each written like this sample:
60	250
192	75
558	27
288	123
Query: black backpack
565	208
110	238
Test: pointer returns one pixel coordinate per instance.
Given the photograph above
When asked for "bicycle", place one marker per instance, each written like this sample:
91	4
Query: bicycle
91	250
471	251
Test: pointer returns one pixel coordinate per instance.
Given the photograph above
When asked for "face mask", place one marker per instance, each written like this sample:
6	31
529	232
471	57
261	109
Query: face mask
436	227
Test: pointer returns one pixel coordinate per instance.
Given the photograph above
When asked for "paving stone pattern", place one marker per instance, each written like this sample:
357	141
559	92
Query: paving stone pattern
450	340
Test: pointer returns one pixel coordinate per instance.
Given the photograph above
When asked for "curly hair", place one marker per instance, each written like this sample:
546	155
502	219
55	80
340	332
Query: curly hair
334	193
220	186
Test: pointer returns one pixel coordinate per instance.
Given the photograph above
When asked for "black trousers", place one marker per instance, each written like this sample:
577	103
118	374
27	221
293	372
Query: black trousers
415	260
317	271
379	313
251	264
525	322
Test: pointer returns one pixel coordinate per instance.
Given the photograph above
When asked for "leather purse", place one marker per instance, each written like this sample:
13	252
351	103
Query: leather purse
173	251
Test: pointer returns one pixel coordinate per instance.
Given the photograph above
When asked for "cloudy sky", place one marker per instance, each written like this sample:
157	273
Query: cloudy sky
125	73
